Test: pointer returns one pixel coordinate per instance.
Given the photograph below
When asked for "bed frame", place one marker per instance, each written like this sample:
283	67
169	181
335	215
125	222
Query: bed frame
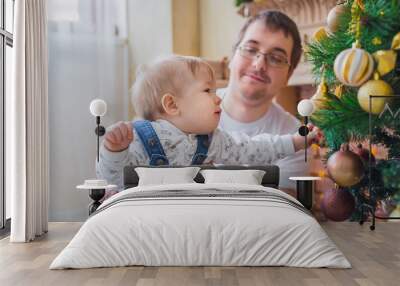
270	179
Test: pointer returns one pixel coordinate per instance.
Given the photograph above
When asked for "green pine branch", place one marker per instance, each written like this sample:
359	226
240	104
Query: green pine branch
343	119
239	2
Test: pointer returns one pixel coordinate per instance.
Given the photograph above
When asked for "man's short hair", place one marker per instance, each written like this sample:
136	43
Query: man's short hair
165	75
276	21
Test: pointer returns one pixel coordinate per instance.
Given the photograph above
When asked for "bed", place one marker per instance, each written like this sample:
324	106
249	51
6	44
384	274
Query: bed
201	224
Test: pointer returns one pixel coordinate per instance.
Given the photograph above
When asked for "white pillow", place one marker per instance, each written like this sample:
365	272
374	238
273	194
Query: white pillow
165	176
248	177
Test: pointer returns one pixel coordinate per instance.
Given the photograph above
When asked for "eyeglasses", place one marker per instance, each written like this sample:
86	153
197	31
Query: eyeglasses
271	59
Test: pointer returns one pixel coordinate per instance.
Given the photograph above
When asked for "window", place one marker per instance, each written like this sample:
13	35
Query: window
6	44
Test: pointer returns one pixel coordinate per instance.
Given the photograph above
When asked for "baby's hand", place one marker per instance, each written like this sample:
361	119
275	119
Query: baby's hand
313	136
119	137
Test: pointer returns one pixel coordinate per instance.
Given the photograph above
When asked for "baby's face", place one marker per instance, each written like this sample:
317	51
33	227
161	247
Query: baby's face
199	105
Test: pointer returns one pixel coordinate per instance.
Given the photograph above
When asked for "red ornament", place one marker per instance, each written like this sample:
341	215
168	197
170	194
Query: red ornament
338	204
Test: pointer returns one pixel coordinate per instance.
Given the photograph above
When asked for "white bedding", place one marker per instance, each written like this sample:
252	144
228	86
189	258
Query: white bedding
186	230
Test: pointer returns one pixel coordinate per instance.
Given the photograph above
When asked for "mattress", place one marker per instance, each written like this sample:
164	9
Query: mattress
201	225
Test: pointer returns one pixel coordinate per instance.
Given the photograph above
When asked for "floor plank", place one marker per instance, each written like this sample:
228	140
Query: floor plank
375	257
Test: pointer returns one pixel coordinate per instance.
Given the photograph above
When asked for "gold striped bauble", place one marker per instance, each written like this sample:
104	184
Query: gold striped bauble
353	66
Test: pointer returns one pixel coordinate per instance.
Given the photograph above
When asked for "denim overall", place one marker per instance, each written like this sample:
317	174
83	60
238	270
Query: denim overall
155	151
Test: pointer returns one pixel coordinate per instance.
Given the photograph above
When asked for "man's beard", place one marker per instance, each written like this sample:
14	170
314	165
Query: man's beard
255	98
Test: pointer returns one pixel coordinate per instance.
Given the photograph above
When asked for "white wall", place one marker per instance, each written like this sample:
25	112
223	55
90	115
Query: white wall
219	27
150	30
87	60
149	33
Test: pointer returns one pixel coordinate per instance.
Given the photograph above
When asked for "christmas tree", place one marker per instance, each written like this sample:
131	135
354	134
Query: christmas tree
355	57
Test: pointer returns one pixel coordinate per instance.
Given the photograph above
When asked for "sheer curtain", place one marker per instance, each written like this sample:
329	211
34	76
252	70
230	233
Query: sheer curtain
88	59
27	123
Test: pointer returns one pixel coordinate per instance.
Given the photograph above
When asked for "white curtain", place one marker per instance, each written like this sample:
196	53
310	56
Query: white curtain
27	141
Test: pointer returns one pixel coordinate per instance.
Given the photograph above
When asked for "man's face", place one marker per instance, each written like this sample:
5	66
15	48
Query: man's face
255	79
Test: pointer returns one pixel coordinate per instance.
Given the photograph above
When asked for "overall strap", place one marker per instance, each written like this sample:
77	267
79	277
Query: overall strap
202	149
151	143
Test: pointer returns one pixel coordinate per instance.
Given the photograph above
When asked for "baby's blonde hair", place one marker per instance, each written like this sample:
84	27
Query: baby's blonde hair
164	75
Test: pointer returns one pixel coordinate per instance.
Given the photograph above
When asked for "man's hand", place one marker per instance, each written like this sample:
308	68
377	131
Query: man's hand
119	137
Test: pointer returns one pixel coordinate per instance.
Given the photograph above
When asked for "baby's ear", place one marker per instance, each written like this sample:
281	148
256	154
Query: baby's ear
168	102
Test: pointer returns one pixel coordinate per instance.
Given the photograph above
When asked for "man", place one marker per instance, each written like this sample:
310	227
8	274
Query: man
266	53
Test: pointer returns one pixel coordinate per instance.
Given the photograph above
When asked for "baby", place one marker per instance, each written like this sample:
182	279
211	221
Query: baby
176	98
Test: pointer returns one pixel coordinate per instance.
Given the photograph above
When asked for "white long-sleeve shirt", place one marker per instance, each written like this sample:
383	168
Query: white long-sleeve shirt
277	122
179	147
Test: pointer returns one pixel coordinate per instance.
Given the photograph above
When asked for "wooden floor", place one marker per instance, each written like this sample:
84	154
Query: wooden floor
374	255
